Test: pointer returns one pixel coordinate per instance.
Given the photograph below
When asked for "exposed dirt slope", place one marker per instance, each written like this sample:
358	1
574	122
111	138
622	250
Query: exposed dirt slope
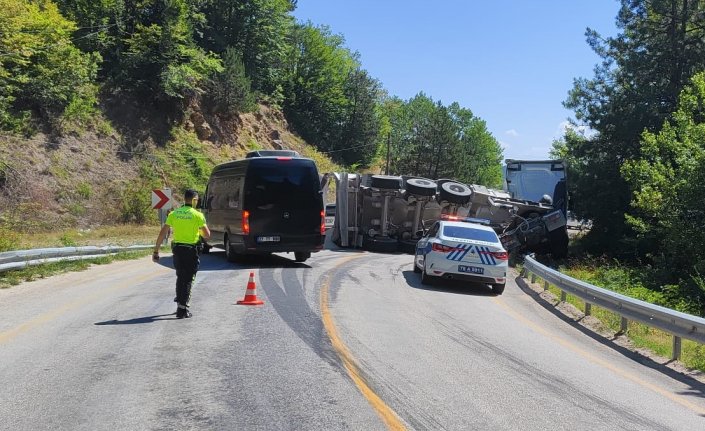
49	182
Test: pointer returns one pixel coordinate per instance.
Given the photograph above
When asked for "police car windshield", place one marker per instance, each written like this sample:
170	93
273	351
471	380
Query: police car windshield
469	233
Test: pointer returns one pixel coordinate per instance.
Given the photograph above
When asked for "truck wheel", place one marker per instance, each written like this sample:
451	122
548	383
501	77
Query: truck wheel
386	182
420	187
379	244
301	256
456	193
558	243
407	246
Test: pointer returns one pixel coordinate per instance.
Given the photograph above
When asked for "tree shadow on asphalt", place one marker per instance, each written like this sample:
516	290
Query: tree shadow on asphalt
697	388
448	286
138	320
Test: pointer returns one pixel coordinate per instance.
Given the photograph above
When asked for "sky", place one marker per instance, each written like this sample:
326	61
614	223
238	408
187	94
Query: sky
511	62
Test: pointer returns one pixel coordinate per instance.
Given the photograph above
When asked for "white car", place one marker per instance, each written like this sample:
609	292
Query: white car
462	249
329	215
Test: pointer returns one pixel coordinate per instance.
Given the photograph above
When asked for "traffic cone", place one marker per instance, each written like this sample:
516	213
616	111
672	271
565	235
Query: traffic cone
250	295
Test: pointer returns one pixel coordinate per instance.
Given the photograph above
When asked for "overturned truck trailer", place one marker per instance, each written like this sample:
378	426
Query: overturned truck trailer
391	213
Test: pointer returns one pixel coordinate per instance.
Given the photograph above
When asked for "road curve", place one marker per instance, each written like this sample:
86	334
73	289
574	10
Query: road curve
339	339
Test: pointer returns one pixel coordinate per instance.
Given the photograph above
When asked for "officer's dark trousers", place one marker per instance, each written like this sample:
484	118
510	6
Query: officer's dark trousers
186	264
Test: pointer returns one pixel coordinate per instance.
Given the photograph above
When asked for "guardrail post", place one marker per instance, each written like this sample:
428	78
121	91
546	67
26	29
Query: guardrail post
533	278
588	309
676	348
545	285
624	325
564	296
523	273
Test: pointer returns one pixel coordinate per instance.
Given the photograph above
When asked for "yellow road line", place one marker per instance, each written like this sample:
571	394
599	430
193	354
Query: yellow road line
594	359
8	335
388	416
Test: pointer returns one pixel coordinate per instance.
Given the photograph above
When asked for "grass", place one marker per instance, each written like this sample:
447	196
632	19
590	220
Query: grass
641	336
123	235
15	277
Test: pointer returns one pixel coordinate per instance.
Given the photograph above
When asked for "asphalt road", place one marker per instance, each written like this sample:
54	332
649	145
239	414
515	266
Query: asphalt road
346	341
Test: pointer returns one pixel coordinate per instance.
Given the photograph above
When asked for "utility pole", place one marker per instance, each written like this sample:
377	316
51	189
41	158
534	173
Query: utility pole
386	171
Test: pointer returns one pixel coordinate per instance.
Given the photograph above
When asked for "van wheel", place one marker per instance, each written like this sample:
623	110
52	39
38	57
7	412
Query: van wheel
301	256
230	255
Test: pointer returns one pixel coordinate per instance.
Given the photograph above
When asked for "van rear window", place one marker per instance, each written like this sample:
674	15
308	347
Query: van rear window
283	182
469	233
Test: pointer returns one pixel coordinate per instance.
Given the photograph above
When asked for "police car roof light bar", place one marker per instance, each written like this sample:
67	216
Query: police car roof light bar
465	219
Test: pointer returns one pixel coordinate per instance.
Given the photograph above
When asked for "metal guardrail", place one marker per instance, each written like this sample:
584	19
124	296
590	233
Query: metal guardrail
18	259
680	325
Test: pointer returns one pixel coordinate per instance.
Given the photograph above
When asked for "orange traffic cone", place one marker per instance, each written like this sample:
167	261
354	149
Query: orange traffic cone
250	295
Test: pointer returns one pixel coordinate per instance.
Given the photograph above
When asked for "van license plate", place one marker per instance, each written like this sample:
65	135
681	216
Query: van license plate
268	239
471	269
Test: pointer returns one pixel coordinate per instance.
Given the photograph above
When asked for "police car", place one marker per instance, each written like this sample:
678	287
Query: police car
462	249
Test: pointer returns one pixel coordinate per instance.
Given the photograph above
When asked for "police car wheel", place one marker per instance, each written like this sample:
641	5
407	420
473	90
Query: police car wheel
498	289
417	270
425	278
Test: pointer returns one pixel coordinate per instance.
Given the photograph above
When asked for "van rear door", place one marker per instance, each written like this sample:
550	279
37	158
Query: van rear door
283	197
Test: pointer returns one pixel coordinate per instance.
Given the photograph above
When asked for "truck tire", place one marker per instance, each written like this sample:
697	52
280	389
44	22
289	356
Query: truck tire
456	193
420	187
386	182
558	243
407	246
379	244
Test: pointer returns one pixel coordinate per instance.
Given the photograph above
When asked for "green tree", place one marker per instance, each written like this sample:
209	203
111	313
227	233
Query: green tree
661	45
436	141
668	179
316	101
231	89
41	71
259	29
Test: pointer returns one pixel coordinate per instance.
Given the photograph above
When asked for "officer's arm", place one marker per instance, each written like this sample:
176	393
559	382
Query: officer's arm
205	232
160	239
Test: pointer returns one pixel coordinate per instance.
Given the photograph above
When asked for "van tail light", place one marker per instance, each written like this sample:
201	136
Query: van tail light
442	248
246	222
500	255
323	222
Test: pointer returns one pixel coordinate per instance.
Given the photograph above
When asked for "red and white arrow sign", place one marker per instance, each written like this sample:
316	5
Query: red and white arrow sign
161	199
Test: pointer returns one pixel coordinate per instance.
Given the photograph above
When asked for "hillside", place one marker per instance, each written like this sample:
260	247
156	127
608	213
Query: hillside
104	176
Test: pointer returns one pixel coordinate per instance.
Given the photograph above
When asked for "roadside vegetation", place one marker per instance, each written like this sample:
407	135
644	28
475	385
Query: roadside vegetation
636	155
31	273
100	102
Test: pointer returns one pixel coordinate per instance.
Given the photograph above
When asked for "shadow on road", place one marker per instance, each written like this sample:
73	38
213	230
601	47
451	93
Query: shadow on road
137	320
697	388
448	286
215	261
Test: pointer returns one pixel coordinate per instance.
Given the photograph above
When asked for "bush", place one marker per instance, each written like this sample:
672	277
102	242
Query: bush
9	239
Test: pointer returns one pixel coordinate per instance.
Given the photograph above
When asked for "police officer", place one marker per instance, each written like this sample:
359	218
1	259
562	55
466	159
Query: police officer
187	223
